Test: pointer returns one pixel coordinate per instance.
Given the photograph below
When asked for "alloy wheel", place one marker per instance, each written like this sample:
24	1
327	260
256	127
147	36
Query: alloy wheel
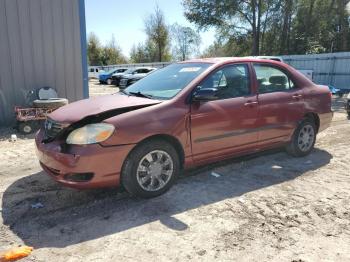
306	138
155	170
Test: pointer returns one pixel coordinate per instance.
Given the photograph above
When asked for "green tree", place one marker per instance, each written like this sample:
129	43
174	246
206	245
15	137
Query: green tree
94	50
158	34
139	54
320	26
185	41
230	17
112	54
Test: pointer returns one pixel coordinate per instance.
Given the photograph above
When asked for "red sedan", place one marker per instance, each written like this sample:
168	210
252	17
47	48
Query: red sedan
187	114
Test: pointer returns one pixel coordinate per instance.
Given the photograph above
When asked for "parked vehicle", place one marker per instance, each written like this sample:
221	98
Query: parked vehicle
274	58
106	78
184	115
347	105
139	73
118	75
135	72
94	71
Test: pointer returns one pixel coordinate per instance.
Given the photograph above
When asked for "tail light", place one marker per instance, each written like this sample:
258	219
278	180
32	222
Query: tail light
330	95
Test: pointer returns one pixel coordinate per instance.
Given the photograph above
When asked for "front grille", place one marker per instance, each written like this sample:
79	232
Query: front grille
123	82
53	129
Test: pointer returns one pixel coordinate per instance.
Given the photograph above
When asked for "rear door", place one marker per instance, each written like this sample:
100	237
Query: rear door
281	104
228	124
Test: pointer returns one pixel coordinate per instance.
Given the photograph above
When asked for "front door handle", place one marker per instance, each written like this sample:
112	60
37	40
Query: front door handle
251	103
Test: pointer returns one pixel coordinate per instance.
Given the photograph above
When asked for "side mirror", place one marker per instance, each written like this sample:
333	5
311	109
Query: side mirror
205	94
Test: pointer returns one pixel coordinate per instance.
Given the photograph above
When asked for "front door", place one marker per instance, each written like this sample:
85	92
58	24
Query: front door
281	104
227	124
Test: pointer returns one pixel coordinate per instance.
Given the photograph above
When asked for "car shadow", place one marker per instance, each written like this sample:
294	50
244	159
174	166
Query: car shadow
45	214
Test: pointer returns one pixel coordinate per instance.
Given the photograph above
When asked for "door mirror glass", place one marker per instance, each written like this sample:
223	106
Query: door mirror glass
205	94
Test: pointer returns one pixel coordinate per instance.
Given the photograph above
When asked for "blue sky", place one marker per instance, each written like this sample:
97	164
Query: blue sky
125	19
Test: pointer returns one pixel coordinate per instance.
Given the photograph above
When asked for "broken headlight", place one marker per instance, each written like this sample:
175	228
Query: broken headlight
90	134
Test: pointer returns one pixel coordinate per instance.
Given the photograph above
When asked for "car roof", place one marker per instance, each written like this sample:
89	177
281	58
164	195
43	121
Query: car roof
143	67
224	60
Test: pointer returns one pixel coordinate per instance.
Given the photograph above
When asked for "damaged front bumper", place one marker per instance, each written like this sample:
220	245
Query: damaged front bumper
82	167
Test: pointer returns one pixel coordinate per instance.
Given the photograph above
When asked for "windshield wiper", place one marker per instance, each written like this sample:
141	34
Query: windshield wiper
123	92
139	94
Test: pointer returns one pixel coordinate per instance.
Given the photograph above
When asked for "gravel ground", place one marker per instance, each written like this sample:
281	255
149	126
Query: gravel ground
265	207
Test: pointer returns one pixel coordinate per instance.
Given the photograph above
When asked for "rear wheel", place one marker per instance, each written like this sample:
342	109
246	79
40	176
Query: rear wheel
150	169
303	139
109	81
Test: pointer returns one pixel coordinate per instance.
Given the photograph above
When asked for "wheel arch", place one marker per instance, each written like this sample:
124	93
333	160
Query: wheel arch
315	118
171	140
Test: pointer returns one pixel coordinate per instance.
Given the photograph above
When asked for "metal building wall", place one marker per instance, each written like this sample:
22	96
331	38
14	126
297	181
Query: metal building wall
329	69
42	43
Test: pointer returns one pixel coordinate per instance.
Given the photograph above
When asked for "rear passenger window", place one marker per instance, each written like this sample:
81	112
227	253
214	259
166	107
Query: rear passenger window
271	79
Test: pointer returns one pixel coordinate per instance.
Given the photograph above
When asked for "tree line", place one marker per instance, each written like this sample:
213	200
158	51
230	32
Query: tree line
272	27
163	43
243	27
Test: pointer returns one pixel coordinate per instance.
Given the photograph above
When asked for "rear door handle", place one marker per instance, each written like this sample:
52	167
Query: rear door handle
251	103
297	96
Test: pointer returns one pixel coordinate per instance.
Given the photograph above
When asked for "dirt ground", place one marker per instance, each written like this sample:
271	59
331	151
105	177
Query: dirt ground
266	207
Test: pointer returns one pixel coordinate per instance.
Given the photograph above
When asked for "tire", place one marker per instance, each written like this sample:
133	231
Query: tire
50	103
109	81
29	127
134	169
303	139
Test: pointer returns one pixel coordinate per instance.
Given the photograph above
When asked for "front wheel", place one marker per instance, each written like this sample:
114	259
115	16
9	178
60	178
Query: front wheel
150	169
303	139
109	81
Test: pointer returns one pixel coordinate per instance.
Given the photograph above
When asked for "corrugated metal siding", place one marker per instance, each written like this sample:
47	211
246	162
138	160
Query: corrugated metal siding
40	45
329	69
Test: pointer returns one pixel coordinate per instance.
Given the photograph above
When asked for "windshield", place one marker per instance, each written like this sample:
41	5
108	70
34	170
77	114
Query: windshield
165	83
130	71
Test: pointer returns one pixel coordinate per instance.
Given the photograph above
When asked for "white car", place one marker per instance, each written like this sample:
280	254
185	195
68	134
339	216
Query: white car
94	71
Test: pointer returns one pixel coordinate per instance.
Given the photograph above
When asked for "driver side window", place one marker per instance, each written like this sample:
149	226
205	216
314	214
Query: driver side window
230	81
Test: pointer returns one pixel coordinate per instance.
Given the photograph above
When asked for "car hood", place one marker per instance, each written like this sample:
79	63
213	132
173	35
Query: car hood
93	106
